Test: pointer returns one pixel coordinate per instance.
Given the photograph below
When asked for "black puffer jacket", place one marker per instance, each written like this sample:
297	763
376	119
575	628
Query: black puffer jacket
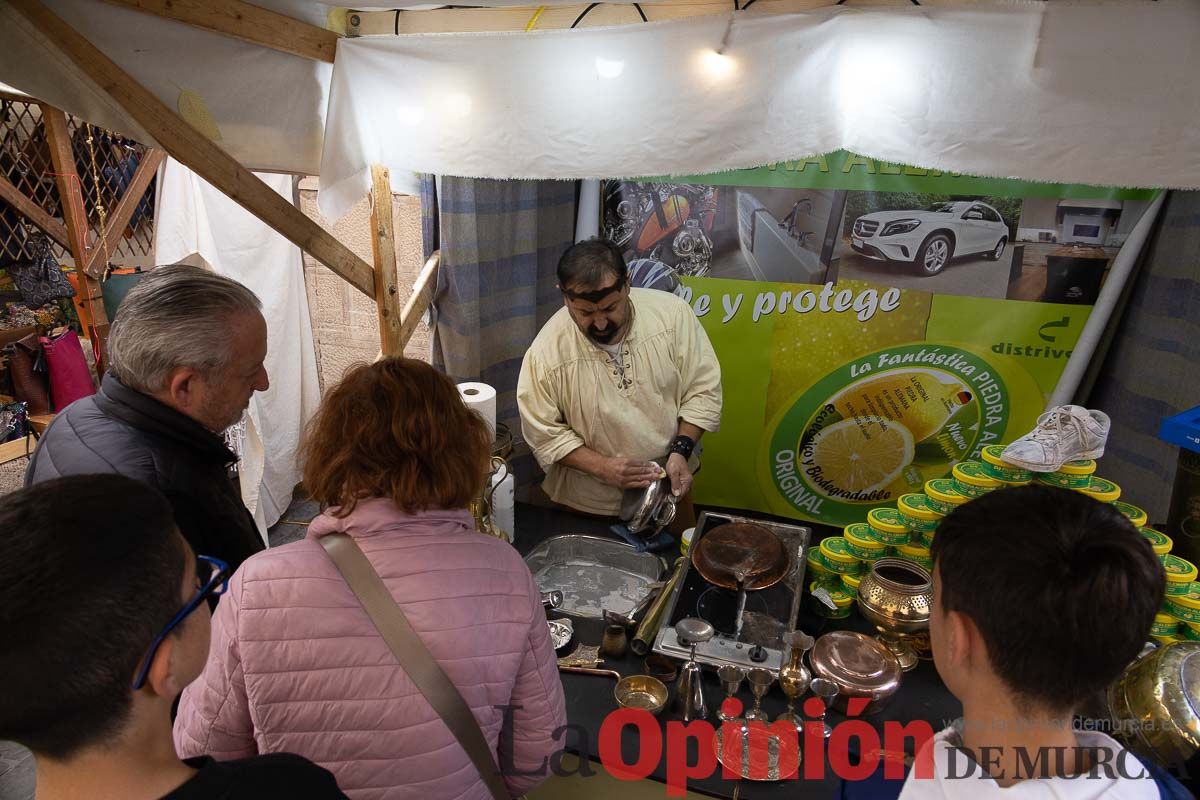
123	431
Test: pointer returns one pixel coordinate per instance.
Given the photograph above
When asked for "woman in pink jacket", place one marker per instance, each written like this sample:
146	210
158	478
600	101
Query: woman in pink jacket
296	665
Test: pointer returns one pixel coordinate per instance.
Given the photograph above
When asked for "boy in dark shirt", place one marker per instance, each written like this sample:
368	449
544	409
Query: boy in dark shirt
102	604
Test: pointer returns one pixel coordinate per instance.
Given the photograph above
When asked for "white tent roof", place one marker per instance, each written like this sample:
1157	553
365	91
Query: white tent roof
1047	91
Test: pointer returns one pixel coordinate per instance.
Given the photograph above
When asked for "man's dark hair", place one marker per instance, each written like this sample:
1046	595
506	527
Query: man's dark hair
590	264
91	572
1062	588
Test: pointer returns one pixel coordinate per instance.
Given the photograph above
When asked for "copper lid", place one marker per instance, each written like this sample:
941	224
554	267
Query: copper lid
860	665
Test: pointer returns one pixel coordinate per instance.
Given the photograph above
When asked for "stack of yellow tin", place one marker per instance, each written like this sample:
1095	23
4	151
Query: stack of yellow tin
908	529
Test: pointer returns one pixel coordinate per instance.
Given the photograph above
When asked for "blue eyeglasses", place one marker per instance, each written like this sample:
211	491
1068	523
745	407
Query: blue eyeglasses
212	576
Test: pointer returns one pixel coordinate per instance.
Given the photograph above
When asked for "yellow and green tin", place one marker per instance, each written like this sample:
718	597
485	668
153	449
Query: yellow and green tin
842	597
1180	574
1164	625
888	526
1138	517
1159	542
1103	490
970	479
916	553
995	466
862	543
836	552
1165	640
817	568
1071	475
943	497
1185	607
1189	632
851	583
917	514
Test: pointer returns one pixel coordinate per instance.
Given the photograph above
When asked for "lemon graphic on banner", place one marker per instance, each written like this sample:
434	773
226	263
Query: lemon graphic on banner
860	458
917	399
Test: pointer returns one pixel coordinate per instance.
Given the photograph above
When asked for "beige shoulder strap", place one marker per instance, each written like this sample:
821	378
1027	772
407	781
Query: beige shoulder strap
414	658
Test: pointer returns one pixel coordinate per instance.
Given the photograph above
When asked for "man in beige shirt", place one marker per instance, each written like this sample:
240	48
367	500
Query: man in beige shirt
617	379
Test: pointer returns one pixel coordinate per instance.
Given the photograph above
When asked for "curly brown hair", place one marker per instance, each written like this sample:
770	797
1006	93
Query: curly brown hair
398	429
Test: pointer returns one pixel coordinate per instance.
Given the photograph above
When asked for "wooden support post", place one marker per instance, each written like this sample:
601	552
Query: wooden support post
119	219
194	150
247	22
70	196
33	212
383	245
420	299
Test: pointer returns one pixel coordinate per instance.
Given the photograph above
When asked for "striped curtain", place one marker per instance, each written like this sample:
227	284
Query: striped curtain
1152	369
500	243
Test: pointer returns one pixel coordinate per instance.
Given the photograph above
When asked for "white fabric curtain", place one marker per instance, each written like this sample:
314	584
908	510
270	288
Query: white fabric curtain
1079	93
194	218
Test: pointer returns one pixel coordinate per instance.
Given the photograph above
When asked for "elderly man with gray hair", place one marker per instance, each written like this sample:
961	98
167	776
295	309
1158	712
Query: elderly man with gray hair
185	355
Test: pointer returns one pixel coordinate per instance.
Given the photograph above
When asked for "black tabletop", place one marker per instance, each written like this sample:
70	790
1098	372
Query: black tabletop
922	696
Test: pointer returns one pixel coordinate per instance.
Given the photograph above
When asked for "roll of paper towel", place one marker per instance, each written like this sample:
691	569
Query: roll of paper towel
482	399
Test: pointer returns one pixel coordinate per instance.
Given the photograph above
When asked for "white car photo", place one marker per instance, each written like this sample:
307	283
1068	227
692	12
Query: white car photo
929	239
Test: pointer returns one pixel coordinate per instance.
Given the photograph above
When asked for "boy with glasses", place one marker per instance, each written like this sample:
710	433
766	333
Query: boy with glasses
103	607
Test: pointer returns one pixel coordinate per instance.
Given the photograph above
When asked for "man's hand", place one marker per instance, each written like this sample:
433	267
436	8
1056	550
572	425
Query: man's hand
629	473
680	475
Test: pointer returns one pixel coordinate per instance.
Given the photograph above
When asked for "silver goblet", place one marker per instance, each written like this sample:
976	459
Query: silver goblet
731	677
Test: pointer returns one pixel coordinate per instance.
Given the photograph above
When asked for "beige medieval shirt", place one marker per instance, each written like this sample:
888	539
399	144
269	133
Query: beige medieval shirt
571	393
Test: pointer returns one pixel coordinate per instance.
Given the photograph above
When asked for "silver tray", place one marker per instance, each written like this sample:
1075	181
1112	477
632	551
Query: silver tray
594	574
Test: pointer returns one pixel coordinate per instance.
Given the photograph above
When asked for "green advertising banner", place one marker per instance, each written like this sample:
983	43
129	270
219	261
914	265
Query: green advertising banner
875	324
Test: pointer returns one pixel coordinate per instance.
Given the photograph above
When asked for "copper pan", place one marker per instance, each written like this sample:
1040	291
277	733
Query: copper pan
740	556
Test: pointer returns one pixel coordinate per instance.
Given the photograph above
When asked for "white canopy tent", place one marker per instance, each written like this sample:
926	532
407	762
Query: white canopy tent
1061	91
1064	91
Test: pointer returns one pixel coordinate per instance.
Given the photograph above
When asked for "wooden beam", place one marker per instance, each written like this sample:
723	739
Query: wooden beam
70	198
119	218
247	22
420	299
70	190
16	97
34	213
17	448
201	155
383	246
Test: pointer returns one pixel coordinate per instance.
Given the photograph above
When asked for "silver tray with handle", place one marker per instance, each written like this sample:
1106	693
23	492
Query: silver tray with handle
594	574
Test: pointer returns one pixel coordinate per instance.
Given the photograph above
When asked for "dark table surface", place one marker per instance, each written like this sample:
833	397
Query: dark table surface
922	696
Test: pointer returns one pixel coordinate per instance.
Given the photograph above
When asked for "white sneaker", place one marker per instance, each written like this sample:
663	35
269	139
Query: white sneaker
1066	433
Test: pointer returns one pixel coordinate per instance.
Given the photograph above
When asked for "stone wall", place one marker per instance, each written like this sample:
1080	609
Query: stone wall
345	322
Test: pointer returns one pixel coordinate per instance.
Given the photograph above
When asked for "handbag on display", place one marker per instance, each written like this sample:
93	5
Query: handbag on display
28	372
70	378
40	280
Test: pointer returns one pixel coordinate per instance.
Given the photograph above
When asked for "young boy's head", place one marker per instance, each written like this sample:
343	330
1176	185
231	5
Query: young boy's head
93	570
1043	592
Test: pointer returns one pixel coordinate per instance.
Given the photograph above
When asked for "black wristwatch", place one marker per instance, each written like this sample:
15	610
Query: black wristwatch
684	445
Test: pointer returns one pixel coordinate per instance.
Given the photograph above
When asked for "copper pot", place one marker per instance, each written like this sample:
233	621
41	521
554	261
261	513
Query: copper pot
1156	703
860	666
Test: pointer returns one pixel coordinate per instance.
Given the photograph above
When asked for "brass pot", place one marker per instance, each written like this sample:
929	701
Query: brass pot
1156	704
642	692
896	596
